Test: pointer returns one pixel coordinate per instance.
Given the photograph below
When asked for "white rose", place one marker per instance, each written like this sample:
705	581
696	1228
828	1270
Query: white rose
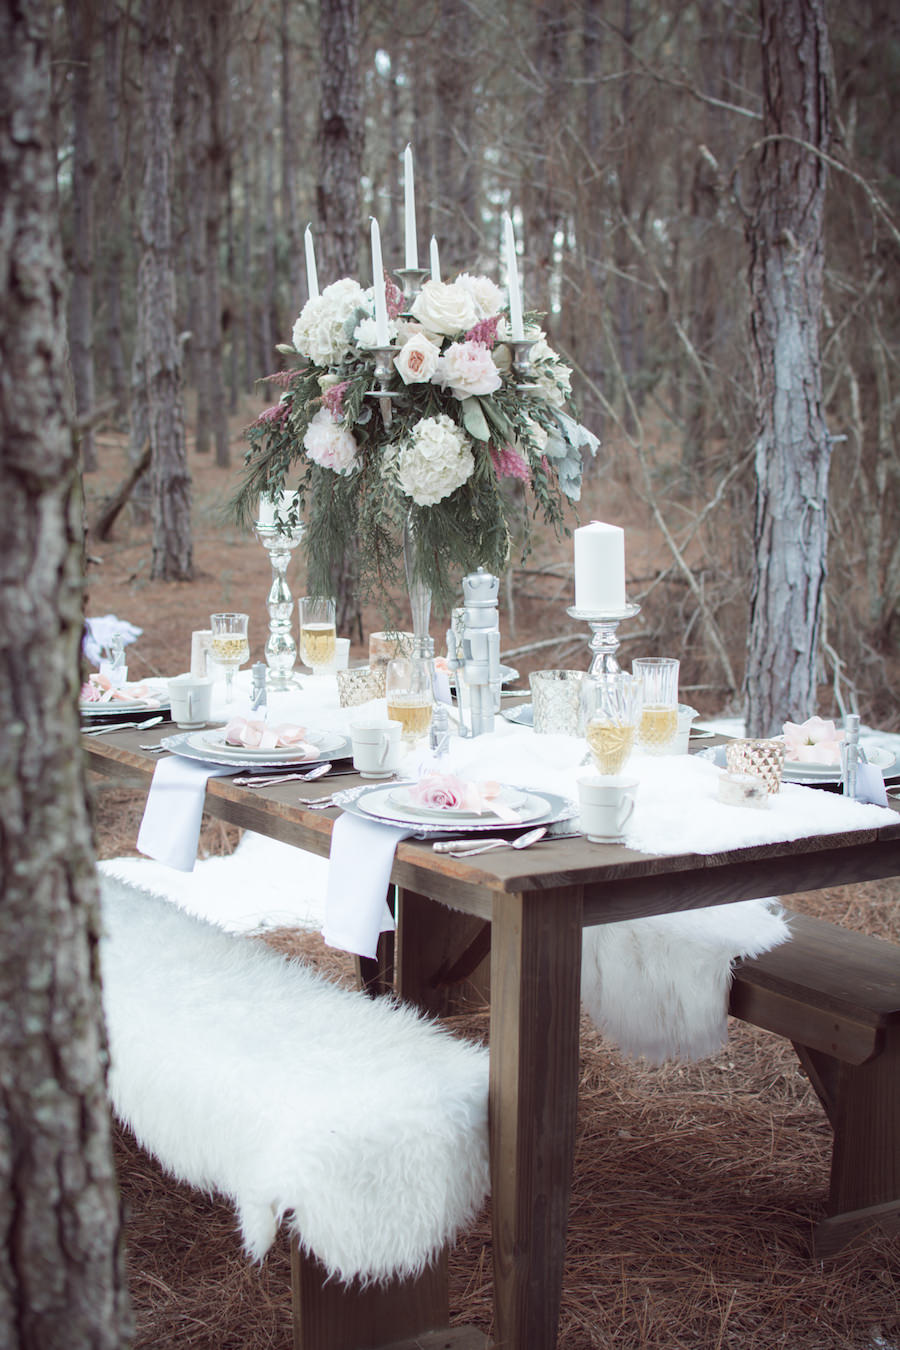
418	360
486	294
444	309
435	461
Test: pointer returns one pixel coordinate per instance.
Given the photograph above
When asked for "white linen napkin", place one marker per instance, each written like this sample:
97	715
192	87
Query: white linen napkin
359	873
170	827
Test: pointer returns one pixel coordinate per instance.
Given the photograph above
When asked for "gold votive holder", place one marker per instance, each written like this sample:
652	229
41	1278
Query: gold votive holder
763	759
384	647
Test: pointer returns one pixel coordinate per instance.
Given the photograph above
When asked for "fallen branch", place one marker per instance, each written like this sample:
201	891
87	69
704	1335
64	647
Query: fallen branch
106	517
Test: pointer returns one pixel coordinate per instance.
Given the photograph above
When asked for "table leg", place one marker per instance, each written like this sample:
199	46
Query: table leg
535	1011
441	955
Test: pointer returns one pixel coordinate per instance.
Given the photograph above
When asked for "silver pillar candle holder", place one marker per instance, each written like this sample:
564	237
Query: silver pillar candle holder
281	648
604	640
384	370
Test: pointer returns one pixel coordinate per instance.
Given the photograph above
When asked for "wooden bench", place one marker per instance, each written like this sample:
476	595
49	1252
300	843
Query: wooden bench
356	1120
835	994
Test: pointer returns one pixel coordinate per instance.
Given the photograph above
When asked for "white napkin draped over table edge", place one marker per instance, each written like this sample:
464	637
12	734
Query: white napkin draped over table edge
676	967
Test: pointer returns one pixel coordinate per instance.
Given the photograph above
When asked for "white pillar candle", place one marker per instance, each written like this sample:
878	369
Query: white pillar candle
312	277
409	210
381	320
265	514
600	568
435	260
517	328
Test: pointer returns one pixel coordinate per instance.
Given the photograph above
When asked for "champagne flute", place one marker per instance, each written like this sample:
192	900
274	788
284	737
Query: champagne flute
318	634
610	711
229	646
658	726
410	696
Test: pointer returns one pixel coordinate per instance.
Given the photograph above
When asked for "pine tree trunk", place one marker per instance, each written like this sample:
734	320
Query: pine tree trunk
84	171
170	480
62	1278
291	224
793	447
216	27
115	178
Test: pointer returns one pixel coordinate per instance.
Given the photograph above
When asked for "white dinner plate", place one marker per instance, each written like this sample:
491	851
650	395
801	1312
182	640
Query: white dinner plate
512	797
119	705
191	745
375	802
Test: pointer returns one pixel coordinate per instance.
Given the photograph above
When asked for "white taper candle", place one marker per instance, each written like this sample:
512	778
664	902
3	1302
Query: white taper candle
435	260
312	278
409	210
381	320
517	328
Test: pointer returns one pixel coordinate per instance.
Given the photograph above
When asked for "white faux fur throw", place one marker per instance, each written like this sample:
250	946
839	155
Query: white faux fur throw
658	987
249	1074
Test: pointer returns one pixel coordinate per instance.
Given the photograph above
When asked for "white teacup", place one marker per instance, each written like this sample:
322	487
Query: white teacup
191	699
606	801
377	748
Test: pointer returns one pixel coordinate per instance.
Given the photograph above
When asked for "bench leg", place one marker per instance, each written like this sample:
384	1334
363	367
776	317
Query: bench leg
863	1105
330	1316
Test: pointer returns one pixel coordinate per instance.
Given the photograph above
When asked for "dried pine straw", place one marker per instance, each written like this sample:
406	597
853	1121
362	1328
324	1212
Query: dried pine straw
695	1191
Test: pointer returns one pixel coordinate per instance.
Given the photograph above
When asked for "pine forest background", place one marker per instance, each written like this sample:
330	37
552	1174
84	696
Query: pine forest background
624	137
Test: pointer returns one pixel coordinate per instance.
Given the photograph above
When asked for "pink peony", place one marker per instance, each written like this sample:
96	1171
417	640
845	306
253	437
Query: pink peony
468	368
812	742
508	463
329	444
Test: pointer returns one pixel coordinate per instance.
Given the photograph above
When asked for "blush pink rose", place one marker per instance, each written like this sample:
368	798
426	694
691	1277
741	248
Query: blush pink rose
814	741
468	368
417	360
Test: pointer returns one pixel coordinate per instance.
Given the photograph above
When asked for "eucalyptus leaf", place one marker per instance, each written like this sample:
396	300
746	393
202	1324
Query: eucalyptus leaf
474	419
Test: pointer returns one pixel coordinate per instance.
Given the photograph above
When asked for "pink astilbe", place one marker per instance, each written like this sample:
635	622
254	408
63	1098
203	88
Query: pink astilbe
393	297
485	331
282	378
277	413
333	398
508	463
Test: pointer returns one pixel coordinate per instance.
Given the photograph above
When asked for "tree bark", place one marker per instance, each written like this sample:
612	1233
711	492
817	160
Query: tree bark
62	1279
170	481
792	446
79	14
115	181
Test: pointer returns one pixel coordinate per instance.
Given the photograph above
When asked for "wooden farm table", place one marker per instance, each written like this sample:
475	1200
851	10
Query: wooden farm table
527	910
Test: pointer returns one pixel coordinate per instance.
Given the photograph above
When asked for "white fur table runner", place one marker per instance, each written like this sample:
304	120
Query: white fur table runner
250	1075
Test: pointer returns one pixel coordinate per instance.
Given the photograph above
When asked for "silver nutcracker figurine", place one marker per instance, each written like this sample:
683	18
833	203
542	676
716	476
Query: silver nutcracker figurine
473	647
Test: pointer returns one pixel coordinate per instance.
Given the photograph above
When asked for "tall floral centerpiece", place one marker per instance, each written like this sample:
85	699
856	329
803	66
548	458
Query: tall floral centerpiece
414	421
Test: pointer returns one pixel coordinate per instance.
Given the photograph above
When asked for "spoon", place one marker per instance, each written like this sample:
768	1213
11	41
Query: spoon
308	776
459	849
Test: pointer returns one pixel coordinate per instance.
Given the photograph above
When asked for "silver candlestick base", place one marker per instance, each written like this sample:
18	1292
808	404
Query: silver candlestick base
280	649
384	370
519	350
604	643
412	279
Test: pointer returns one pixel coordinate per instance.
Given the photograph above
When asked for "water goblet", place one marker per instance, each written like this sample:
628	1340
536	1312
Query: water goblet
410	695
610	714
658	727
318	635
229	646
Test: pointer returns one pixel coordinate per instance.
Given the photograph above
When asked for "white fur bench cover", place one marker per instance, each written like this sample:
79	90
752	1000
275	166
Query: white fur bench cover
249	1074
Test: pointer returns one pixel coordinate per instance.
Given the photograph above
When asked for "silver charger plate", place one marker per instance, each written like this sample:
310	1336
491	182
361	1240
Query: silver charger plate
213	743
523	716
554	808
123	708
509	796
331	745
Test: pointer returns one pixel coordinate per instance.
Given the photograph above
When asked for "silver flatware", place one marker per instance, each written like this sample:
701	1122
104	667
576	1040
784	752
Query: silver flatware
308	776
462	848
153	749
317	803
125	726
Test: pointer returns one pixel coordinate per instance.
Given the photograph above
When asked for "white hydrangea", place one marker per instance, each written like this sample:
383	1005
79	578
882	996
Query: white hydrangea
435	461
319	332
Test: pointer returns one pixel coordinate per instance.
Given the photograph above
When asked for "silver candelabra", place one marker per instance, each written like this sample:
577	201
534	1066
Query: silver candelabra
604	641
